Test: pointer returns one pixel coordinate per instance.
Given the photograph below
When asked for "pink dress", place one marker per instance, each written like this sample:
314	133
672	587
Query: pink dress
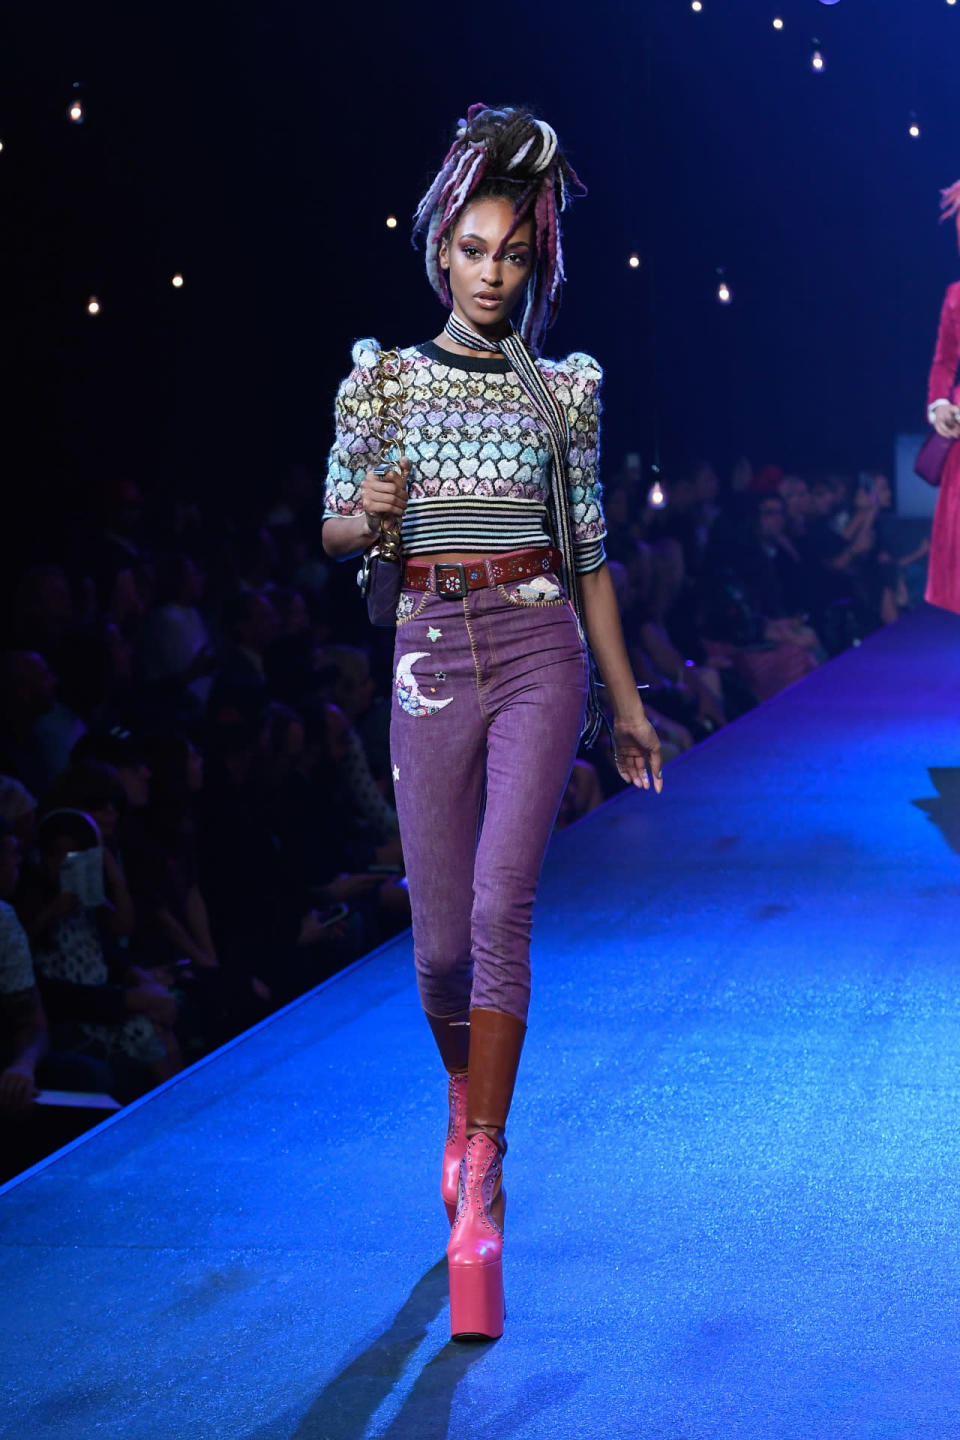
943	577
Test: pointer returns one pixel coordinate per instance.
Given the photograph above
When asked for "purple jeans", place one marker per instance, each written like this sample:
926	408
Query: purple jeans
489	695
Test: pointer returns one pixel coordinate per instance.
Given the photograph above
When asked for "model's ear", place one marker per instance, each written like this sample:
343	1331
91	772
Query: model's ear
444	254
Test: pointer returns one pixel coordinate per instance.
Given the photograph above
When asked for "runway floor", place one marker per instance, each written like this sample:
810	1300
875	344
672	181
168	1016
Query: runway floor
734	1167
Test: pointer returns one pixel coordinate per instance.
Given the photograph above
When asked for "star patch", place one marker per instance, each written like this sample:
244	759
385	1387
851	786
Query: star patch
433	633
396	773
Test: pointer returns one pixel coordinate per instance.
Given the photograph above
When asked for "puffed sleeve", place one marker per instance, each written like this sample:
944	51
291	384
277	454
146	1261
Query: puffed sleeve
583	475
943	372
355	446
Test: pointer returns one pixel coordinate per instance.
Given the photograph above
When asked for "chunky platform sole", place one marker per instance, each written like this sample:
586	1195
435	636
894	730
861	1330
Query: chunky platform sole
476	1301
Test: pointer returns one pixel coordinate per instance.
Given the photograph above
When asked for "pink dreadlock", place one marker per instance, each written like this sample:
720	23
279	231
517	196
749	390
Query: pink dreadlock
950	205
506	153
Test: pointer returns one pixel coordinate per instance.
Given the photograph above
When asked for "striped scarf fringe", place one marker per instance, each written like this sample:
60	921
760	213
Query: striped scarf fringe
554	416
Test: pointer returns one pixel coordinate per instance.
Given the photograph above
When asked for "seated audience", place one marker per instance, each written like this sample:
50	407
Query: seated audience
24	1039
212	697
175	647
111	1010
250	627
28	689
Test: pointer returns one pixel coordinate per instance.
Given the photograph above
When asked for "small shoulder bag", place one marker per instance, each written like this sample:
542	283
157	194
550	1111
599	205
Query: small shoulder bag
381	573
930	462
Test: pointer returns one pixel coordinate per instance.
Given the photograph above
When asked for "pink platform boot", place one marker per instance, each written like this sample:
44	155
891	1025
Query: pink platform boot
456	1144
452	1034
475	1249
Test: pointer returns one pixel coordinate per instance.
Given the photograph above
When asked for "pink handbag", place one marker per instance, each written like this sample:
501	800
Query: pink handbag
932	458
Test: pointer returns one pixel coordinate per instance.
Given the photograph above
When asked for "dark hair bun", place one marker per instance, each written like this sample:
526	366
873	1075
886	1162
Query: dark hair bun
518	145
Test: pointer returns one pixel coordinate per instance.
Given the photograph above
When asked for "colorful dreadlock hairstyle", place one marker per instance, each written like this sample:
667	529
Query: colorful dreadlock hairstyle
950	205
504	154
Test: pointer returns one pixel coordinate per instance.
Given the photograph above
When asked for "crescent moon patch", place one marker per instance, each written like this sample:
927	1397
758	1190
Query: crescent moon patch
409	696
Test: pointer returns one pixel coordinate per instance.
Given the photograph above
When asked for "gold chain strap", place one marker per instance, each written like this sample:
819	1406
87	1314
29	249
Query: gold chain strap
388	396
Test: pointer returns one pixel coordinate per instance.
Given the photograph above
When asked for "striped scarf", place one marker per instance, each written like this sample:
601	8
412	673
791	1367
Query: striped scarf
554	417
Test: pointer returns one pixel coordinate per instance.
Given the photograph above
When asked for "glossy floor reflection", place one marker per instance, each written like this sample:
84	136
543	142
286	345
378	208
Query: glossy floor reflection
734	1157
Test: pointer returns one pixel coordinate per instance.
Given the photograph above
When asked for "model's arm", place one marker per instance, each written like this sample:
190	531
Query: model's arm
636	743
635	740
355	498
347	535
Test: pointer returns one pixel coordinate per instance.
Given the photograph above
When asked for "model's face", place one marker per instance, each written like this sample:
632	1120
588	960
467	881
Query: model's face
485	284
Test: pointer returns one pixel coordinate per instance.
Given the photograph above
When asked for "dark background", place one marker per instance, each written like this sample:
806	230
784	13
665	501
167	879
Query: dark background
258	148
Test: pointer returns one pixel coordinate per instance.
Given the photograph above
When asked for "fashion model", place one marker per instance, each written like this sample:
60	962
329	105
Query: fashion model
492	672
943	575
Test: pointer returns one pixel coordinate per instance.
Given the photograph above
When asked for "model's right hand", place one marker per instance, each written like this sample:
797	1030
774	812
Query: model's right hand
385	496
946	421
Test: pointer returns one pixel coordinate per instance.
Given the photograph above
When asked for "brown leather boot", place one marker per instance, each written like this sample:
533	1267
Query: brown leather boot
496	1040
452	1034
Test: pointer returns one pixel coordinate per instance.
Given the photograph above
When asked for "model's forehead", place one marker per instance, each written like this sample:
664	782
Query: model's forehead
491	220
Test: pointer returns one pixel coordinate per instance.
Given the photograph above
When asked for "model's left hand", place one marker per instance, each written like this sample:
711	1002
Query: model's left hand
637	752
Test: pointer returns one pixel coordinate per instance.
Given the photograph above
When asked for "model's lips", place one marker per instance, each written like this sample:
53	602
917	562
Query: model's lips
487	299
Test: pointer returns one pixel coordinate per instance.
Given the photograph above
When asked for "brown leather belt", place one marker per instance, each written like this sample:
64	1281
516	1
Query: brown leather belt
453	581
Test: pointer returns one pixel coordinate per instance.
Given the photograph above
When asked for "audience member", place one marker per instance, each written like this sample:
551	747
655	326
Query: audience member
211	755
115	1012
353	690
26	1060
175	647
250	625
24	1039
19	809
28	689
42	611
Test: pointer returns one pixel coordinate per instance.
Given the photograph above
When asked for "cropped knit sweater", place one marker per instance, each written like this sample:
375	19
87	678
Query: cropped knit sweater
480	481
